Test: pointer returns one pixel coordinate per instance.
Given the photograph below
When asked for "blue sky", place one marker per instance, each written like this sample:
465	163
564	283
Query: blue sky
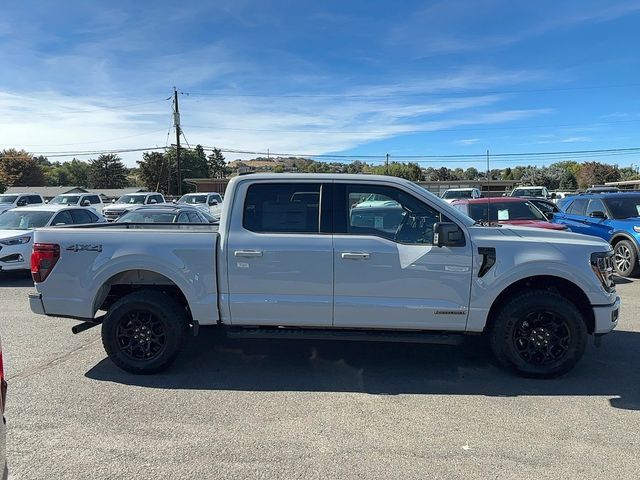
357	78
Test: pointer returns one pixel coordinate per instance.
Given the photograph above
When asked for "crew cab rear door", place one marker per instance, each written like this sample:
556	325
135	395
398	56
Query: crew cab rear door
388	274
279	260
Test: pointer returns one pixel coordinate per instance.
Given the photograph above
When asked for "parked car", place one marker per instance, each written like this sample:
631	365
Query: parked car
546	206
207	201
130	202
453	194
602	189
165	214
614	217
3	421
540	192
285	269
14	200
91	200
17	225
506	211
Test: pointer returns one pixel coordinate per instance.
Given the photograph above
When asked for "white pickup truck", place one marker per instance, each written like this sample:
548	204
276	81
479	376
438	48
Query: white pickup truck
306	256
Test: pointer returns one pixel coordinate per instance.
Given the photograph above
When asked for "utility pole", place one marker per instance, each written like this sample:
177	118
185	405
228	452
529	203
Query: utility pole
386	165
488	187
176	123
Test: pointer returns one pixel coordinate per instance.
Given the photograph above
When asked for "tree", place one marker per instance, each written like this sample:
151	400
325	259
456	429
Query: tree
216	164
153	171
19	168
470	174
410	171
107	171
567	181
596	173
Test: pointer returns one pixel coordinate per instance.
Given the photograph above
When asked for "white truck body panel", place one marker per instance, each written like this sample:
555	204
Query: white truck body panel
240	277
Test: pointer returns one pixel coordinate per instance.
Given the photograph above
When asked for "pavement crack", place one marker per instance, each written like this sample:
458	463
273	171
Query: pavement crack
51	363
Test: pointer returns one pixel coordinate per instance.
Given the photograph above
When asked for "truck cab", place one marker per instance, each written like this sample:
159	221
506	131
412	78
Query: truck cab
14	200
130	202
88	200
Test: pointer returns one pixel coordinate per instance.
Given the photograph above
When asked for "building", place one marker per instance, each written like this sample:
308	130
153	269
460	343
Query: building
632	185
218	185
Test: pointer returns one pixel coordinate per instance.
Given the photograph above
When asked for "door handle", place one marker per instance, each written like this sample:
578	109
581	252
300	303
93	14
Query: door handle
355	255
248	253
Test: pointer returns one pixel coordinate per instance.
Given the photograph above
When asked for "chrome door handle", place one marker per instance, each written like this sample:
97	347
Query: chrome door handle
355	255
248	253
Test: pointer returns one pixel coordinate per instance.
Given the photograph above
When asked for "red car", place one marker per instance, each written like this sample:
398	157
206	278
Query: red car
506	211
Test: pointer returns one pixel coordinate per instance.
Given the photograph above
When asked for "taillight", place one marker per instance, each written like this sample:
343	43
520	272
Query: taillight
43	258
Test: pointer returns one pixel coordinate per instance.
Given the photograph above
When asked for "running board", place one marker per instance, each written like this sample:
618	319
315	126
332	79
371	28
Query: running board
345	334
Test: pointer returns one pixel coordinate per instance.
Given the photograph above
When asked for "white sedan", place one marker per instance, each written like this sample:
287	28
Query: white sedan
17	225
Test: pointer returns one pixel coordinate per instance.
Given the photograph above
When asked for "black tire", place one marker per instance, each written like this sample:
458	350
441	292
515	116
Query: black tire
143	331
538	334
625	259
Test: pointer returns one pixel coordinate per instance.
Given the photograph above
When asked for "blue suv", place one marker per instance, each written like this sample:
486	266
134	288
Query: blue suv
614	217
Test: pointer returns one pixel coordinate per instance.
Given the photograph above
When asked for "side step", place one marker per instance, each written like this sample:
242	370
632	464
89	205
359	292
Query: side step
396	336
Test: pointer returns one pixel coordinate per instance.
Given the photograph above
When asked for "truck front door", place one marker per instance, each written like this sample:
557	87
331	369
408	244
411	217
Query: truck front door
280	264
388	273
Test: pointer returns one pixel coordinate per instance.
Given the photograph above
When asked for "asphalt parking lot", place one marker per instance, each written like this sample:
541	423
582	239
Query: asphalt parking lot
278	409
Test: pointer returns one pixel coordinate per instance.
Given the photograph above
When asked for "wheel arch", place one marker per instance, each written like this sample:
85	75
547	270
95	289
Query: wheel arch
128	281
565	287
617	236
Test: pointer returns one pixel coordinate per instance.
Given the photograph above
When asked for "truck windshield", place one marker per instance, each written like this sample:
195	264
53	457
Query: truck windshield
527	192
454	194
132	199
66	200
622	207
193	199
8	198
504	211
17	220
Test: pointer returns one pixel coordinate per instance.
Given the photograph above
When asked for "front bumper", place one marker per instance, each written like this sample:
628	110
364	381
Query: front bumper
15	257
606	317
35	302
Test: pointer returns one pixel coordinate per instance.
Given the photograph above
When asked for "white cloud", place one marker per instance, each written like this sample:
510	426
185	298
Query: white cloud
468	141
575	140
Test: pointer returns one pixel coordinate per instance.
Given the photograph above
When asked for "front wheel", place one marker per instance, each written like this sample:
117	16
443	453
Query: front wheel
625	258
538	334
143	331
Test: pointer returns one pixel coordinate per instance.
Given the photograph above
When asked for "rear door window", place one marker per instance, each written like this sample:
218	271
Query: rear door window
282	208
82	216
63	218
578	207
596	205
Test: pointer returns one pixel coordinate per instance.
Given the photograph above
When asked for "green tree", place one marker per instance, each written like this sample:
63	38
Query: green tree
216	165
153	172
567	181
410	171
20	168
470	174
107	171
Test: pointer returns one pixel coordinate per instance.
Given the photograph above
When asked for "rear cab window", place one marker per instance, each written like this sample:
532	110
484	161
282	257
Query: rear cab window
282	208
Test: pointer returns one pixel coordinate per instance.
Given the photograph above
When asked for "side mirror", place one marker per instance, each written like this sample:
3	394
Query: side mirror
598	214
21	203
113	200
553	196
152	201
448	234
213	202
85	203
174	201
548	215
46	201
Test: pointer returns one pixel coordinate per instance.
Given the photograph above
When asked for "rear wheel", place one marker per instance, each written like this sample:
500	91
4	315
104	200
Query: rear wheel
625	258
538	334
143	331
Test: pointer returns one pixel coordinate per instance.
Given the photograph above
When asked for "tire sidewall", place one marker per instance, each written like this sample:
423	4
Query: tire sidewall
174	333
518	309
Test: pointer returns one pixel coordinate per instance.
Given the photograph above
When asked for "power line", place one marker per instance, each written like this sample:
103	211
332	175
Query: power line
94	142
410	94
107	107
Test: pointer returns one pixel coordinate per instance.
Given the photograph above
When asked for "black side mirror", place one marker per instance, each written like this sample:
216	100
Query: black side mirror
21	203
213	202
598	214
548	215
448	234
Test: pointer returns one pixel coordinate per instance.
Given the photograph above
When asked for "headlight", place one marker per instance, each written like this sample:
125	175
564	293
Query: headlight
637	229
16	241
602	266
